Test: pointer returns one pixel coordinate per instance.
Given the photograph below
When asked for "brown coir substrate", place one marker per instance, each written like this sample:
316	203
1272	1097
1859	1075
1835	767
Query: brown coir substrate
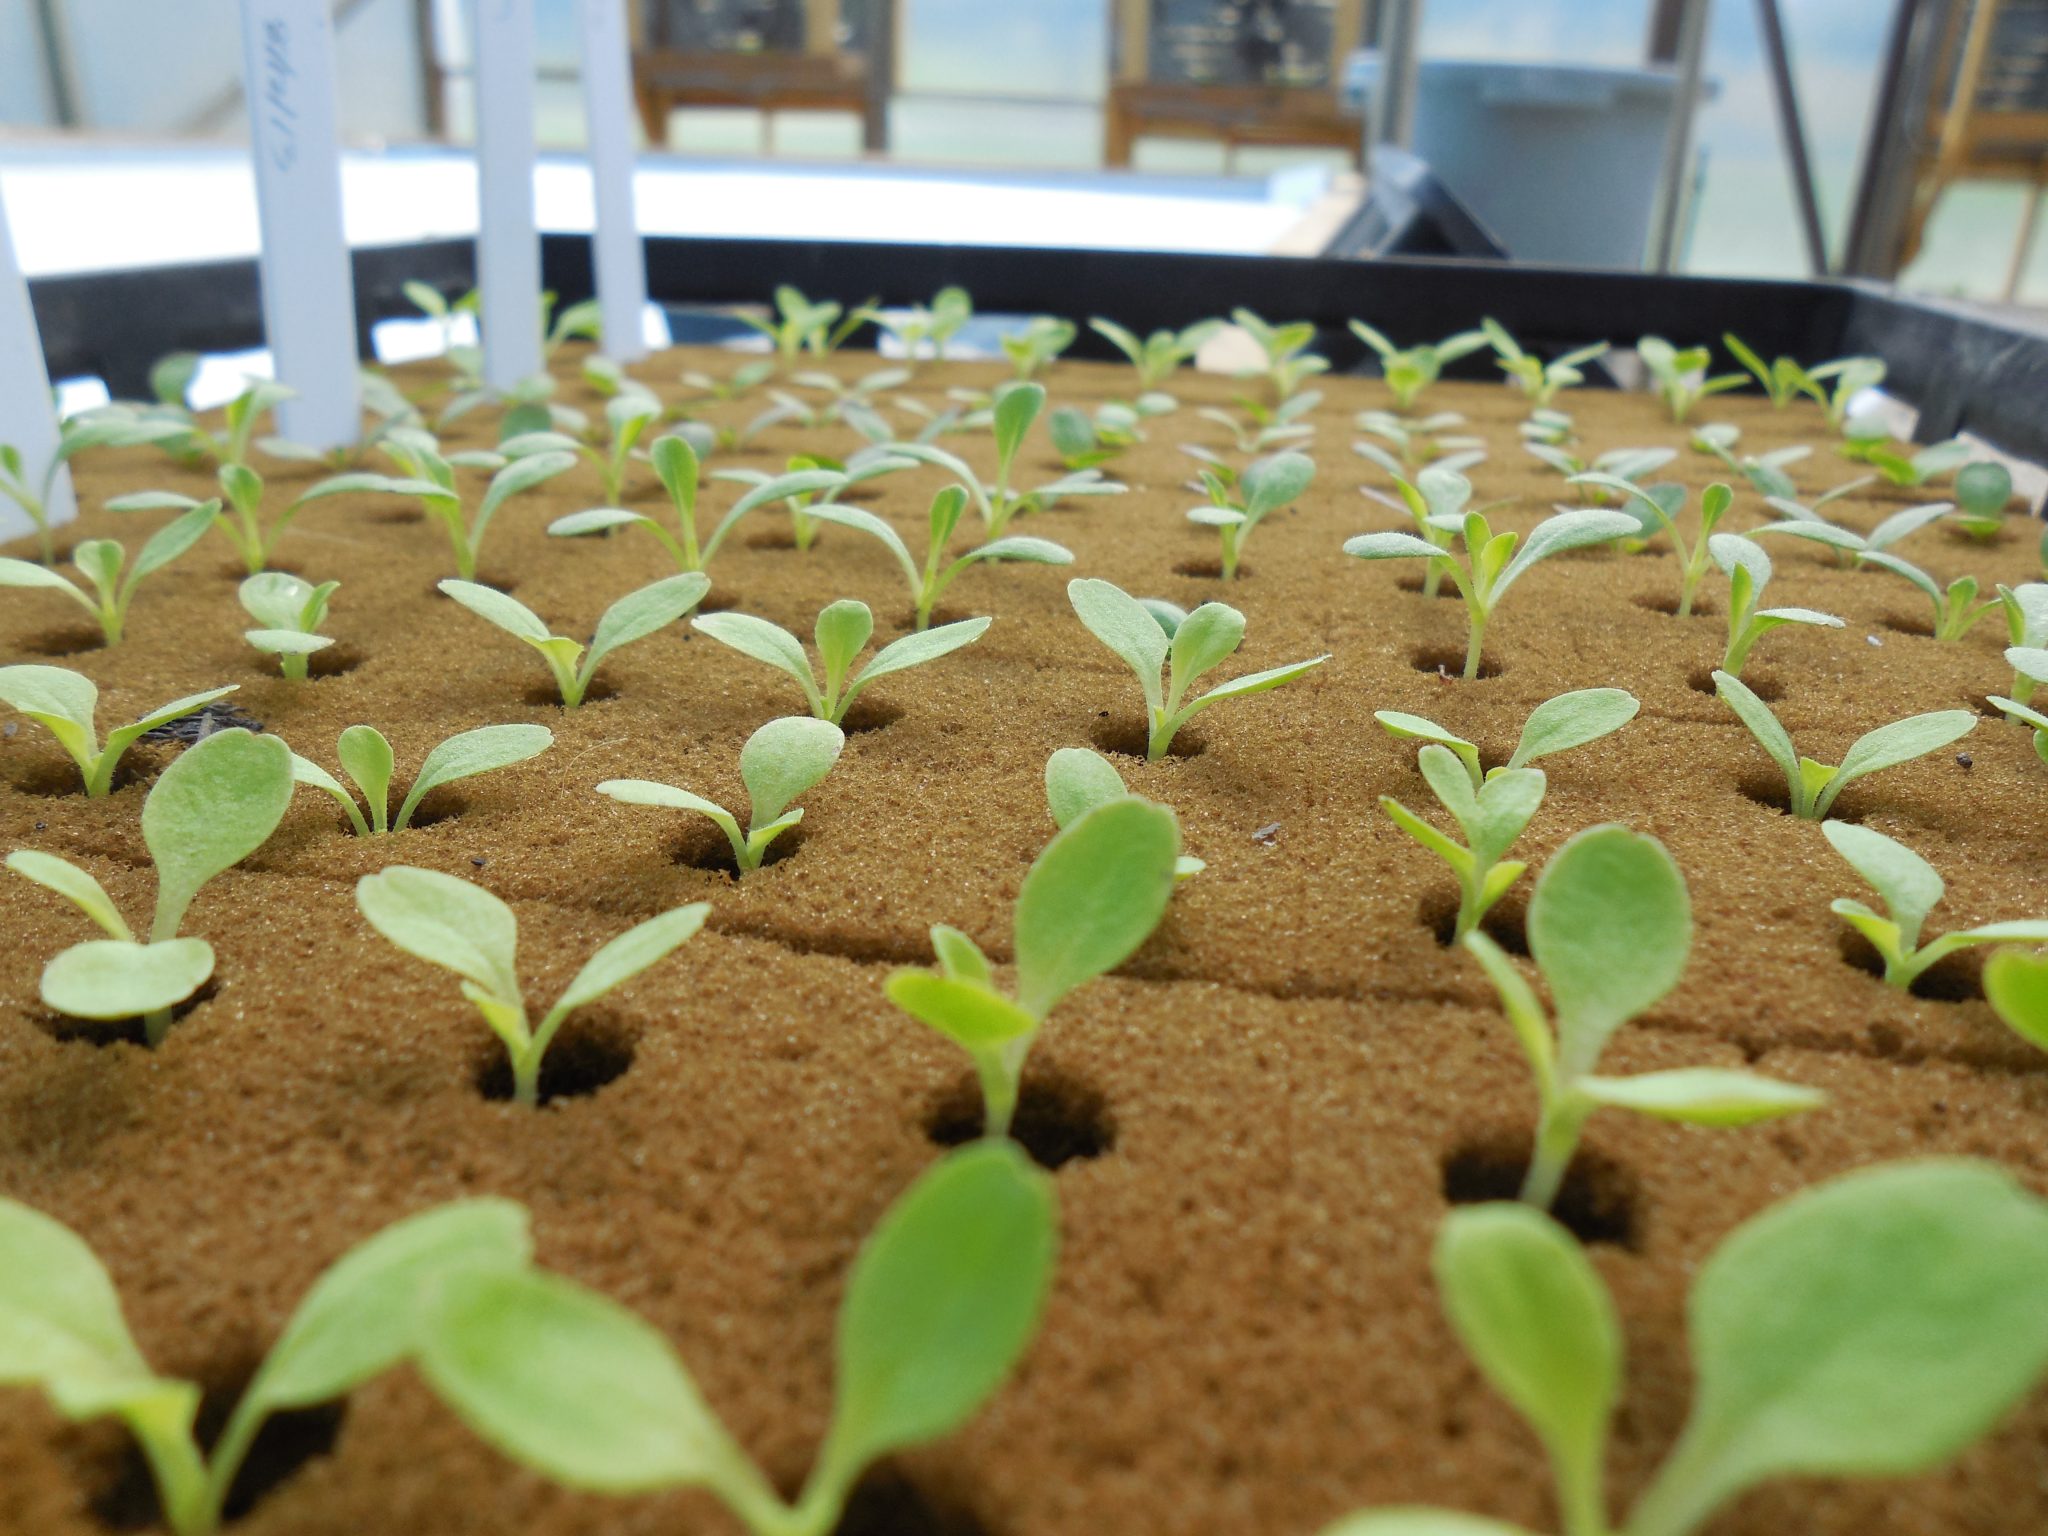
1265	1107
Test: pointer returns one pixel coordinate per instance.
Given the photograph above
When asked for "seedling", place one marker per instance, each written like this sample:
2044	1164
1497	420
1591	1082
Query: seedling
430	478
1160	354
1032	350
1149	637
194	441
1851	376
744	379
1436	499
100	561
1491	817
798	487
2016	985
781	761
629	415
1083	441
677	466
1922	467
928	582
1092	897
998	504
799	326
2026	626
1875	1325
1610	926
1077	781
64	702
451	923
1715	501
1491	564
1910	889
366	757
942	1300
1749	572
633	617
932	324
1766	473
96	429
465	361
1630	464
61	1330
1805	522
1813	785
1680	378
1550	429
855	403
1236	508
1426	442
216	804
1982	492
1264	427
1556	725
843	628
1409	372
1289	363
2032	719
1956	608
1538	380
2029	665
1782	379
239	507
289	613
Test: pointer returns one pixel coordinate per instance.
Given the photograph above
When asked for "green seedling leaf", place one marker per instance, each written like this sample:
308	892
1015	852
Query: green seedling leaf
1610	927
1701	1096
1120	622
2017	986
465	755
632	952
1911	889
779	762
1572	720
446	922
120	979
1093	896
1415	1521
73	884
65	703
1077	780
1813	785
216	804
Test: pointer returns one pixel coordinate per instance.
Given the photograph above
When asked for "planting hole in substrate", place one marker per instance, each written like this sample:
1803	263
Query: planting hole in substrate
64	640
703	846
1666	603
717	600
127	1500
1415	584
1059	1117
394	516
435	807
1908	624
588	1053
59	777
772	538
1207	570
1766	786
904	620
100	1033
1956	978
1127	736
1448	661
1764	685
333	661
1503	923
544	695
886	1503
1596	1205
866	714
220	715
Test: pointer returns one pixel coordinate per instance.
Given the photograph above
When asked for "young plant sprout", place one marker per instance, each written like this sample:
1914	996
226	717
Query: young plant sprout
797	487
799	326
108	592
1910	889
1436	500
932	324
1077	781
1409	372
94	429
998	504
1160	354
239	507
1875	1325
635	616
1032	350
194	441
1610	926
1236	508
1921	467
1550	429
1957	610
928	582
1556	725
386	404
1983	490
2032	719
64	702
1289	363
1491	564
781	761
61	1330
1264	426
1491	817
451	923
2030	667
744	379
1799	521
366	757
842	630
1630	464
1092	897
2016	985
1414	443
1781	379
2026	626
1766	473
288	613
216	804
465	361
854	404
1652	513
1749	572
1149	637
942	1300
1813	785
629	415
1083	441
430	478
1538	380
1680	378
1851	377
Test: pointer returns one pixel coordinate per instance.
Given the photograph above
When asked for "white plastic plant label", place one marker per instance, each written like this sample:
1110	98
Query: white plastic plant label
309	315
615	242
507	243
28	419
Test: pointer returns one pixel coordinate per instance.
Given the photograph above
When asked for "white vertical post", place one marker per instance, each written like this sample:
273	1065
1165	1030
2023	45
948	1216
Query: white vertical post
309	309
28	421
615	239
507	243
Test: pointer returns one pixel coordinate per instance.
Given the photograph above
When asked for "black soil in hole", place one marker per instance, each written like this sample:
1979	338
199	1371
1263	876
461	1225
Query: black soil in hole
437	806
1449	661
333	661
885	1503
64	640
1504	923
1956	978
587	1054
705	847
1126	736
1666	603
1415	584
717	600
1596	1205
1058	1118
287	1441
63	778
1981	702
1764	685
1207	570
1901	624
904	621
866	714
772	538
99	1033
540	695
1766	786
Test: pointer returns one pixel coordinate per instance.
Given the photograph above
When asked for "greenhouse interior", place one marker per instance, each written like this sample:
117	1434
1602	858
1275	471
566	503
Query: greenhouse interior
838	1036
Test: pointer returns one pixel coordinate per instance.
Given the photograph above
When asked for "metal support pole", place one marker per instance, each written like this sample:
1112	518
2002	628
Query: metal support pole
1399	46
57	64
1884	184
1792	132
1691	61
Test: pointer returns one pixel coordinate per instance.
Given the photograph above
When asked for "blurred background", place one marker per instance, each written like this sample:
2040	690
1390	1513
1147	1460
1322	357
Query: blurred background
1237	120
